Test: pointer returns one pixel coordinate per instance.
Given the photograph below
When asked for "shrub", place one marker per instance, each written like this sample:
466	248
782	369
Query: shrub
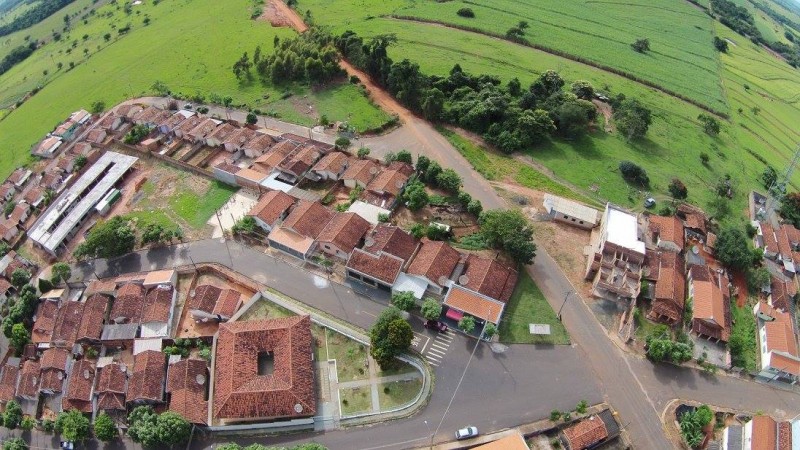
634	173
641	45
404	301
466	12
555	415
342	142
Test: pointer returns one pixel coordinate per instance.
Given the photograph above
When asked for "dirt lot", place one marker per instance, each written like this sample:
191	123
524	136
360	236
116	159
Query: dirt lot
275	15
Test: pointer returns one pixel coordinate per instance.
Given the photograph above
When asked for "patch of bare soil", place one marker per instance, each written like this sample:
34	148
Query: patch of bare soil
275	15
605	109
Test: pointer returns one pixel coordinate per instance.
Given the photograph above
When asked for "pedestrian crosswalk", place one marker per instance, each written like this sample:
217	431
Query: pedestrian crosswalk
436	350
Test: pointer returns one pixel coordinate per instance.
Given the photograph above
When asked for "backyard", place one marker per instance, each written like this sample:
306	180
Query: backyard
742	343
526	306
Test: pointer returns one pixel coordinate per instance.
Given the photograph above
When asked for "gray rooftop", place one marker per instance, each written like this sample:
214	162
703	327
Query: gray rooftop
116	332
72	206
734	437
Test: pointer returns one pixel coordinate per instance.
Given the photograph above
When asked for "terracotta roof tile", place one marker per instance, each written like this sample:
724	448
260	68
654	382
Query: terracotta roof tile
585	433
383	266
696	221
228	303
435	259
361	170
188	125
275	155
225	166
785	436
259	142
308	218
8	382
670	293
147	380
45	322
300	160
474	304
7	188
669	229
94	314
111	387
5	285
203	129
28	386
344	231
272	206
129	303
33	195
403	167
107	287
334	162
240	392
55	358
765	433
158	304
388	182
222	132
78	394
782	292
241	137
393	240
490	278
173	121
187	383
68	319
710	303
205	298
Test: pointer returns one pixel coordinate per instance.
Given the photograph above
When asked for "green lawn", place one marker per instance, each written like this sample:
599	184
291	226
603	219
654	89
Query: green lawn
402	367
266	309
197	207
350	356
189	46
528	305
744	330
398	393
356	400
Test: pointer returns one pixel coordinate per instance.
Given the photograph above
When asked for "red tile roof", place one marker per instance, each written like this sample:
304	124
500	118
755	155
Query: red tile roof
696	221
389	182
333	162
8	382
585	433
188	125
300	160
785	436
434	260
29	380
383	266
765	433
670	293
782	292
214	300
94	314
344	231
361	170
187	383
474	304
240	392
710	303
78	394
770	240
129	303
33	195
490	278
393	240
241	137
158	304
403	167
111	387
228	303
272	206
780	337
147	380
222	132
308	218
260	142
275	155
55	358
5	286
68	319
203	129
45	321
669	229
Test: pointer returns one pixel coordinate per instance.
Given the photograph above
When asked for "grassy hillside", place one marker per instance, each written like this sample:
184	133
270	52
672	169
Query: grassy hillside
189	45
17	10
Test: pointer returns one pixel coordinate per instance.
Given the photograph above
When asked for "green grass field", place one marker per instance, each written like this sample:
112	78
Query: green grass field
528	305
197	207
188	45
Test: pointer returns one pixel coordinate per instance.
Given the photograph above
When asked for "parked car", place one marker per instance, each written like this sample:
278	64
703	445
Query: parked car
437	325
466	433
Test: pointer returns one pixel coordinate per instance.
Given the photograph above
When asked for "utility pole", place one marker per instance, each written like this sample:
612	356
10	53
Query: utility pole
566	296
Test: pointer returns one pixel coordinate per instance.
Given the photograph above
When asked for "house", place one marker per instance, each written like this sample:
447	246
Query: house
8	380
127	111
78	394
157	278
298	163
434	263
5	290
44	322
615	260
360	172
585	434
217	137
34	196
20	213
302	226
782	293
378	270
168	125
8	232
19	178
237	140
157	311
106	287
28	386
331	166
273	157
119	334
6	192
79	117
777	343
250	178
570	212
513	441
256	146
69	317
709	296
112	384
146	385
766	240
66	163
264	370
666	233
97	136
198	134
90	328
787	237
271	209
111	122
761	433
344	232
51	179
226	172
669	295
489	277
148	116
187	385
460	300
189	124
301	140
212	302
127	307
48	147
55	365
384	190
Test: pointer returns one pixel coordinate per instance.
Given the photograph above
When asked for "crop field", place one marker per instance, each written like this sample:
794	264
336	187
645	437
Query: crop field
188	45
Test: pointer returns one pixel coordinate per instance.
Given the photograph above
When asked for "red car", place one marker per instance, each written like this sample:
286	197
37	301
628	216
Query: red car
437	325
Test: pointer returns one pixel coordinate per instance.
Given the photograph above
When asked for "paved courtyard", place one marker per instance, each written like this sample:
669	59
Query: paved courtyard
239	204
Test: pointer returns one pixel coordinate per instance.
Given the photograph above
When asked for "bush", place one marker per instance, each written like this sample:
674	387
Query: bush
362	153
466	12
633	173
431	309
404	301
342	142
641	45
555	415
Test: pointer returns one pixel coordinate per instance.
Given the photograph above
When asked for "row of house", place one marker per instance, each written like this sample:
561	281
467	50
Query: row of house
761	433
63	133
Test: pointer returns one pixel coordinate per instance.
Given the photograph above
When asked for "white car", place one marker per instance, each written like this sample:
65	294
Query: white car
466	433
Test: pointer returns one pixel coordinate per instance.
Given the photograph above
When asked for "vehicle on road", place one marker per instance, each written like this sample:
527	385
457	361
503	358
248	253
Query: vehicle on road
437	325
466	433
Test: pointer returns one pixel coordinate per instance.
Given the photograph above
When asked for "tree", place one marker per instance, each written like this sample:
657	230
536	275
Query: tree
362	153
16	443
509	230
423	162
769	177
80	162
172	428
790	208
108	239
416	196
757	279
489	330
342	142
4	249
466	12
19	337
581	407
571	119
390	336
433	101
677	189
555	415
20	277
464	198
733	248
61	271
431	309
433	171
73	425
633	119
12	416
720	44
404	156
403	300
98	107
153	233
107	37
252	118
449	180
142	426
533	127
583	89
641	45
241	68
27	423
710	124
104	428
160	88
475	207
634	173
548	83
467	323
8	208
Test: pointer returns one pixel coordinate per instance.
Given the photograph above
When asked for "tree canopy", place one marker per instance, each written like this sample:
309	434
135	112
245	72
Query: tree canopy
73	426
733	248
104	428
431	309
108	239
390	336
510	231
